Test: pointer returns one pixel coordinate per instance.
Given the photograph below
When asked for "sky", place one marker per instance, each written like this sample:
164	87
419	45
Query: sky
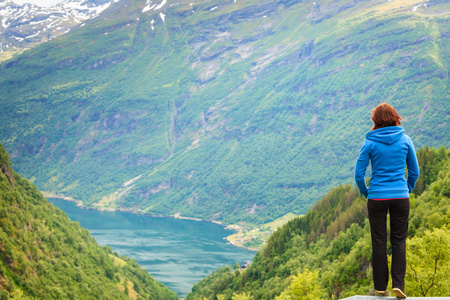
38	2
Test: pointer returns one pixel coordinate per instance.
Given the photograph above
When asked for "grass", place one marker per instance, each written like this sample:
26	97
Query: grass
254	237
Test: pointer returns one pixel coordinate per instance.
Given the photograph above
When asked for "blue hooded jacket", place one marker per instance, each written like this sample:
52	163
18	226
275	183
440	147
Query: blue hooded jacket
388	149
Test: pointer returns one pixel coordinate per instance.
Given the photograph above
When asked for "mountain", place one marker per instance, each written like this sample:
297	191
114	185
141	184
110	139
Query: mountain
24	26
327	253
43	255
233	111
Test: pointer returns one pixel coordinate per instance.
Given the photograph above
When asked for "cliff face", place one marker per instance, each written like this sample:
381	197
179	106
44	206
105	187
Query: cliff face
230	111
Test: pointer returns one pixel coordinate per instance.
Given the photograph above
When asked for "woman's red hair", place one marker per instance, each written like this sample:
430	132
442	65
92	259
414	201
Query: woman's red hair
385	115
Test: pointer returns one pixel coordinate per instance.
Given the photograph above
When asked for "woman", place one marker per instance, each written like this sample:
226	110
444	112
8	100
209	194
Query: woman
388	149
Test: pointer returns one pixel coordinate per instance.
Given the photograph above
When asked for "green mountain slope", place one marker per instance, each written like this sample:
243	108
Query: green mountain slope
333	242
43	255
229	111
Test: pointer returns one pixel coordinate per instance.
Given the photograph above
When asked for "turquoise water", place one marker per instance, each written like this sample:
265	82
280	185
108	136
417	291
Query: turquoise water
178	253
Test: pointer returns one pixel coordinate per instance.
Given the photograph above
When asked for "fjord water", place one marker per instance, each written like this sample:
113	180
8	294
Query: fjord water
177	252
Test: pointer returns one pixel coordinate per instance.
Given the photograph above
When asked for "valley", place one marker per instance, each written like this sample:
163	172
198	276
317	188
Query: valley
245	113
230	112
178	253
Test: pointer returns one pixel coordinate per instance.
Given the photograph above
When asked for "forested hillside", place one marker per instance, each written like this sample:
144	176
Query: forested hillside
222	110
328	252
43	255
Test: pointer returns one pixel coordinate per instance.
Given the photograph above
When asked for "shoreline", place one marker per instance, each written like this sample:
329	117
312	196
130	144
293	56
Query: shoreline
239	246
238	230
79	204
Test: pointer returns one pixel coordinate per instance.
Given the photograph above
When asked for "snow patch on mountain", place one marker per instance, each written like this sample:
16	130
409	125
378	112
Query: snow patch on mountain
23	26
161	5
150	6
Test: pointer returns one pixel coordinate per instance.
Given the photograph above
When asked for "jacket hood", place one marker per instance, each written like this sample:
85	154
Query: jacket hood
386	135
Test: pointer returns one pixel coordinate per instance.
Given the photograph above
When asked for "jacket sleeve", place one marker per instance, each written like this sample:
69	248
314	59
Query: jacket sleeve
413	167
361	166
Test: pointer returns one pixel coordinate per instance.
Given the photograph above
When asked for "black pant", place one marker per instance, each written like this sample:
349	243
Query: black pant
399	213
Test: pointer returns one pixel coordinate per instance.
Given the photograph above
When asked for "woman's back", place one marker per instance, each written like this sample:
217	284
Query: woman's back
388	149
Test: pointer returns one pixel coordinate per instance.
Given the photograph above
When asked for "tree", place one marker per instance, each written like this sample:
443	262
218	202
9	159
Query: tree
428	270
18	294
243	296
236	266
304	286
